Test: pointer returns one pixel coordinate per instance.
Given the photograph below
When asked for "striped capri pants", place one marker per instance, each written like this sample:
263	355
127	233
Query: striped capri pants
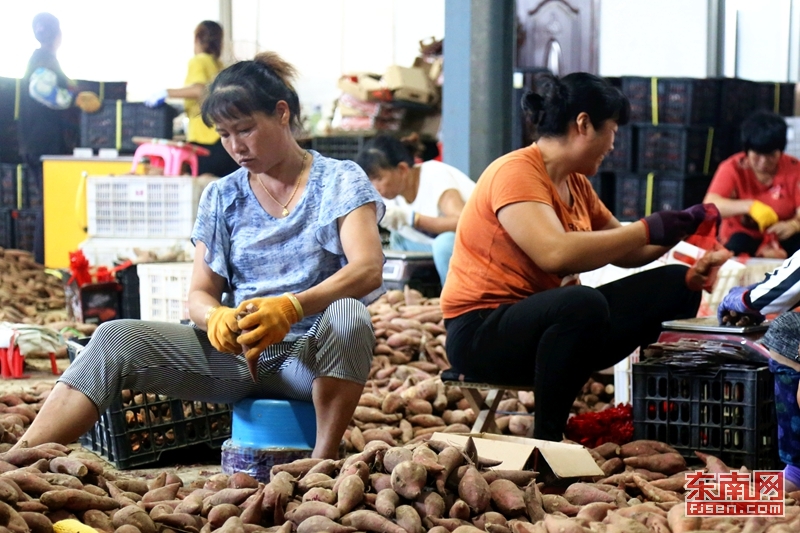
178	360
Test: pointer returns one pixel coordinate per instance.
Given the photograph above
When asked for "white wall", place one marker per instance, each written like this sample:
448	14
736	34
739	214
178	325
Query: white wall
653	38
146	43
326	38
757	39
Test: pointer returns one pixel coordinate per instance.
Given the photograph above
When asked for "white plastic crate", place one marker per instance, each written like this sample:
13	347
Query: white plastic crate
792	136
107	252
623	384
164	291
133	207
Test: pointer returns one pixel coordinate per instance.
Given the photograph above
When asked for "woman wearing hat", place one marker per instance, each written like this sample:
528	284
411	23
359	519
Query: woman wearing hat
777	293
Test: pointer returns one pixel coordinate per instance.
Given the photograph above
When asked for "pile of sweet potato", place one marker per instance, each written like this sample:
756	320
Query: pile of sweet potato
17	411
28	295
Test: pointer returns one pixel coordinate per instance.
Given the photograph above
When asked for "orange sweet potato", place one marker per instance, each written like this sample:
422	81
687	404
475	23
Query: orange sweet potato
408	479
370	521
666	463
98	520
474	490
583	493
65	465
134	516
507	497
553	502
76	500
309	509
219	514
350	493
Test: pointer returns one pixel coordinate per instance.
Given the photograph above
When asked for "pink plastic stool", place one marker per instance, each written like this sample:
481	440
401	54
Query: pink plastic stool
169	155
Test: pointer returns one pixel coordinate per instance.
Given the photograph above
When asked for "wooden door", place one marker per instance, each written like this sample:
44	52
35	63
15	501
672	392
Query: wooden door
560	35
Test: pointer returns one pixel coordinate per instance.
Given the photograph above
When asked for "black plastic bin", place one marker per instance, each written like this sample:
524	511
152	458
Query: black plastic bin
680	100
341	146
623	157
129	305
6	228
604	184
669	191
117	122
726	410
29	231
682	149
139	427
105	90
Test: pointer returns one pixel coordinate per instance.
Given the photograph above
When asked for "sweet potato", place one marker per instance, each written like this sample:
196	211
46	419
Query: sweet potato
350	493
26	456
380	481
167	492
31	506
371	521
468	528
386	502
713	464
132	485
357	439
429	504
37	522
450	458
316	524
94	489
233	525
219	514
134	516
309	509
426	421
296	468
612	466
507	497
65	465
320	494
653	493
408	479
76	500
233	496
395	456
583	493
180	521
418	406
242	480
392	403
63	480
595	512
636	449
281	486
359	468
674	483
553	502
519	477
427	458
459	510
474	490
98	520
666	463
679	522
438	529
407	518
191	504
378	434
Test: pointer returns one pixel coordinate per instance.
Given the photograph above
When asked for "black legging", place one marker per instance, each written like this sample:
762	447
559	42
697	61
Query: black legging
742	243
557	338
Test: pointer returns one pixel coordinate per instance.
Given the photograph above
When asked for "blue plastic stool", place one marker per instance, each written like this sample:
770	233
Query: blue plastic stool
268	432
274	424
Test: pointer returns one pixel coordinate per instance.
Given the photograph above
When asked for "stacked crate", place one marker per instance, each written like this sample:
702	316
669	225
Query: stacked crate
148	213
680	130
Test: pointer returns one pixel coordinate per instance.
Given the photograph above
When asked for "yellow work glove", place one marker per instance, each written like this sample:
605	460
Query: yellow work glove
268	323
88	101
763	215
222	329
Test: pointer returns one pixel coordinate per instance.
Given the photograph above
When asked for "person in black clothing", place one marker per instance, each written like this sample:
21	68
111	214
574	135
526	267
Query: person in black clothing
46	97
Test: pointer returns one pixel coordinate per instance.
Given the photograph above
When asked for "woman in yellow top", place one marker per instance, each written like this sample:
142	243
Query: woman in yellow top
203	68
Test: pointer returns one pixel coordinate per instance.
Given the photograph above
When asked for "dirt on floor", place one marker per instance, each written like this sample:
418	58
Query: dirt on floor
187	463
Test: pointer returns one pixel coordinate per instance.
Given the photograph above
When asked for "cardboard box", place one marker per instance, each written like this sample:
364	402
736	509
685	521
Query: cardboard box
364	86
556	459
410	84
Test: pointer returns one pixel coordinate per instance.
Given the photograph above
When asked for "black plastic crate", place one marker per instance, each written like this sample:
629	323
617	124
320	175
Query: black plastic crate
726	410
105	90
32	191
9	176
8	98
129	299
777	97
29	231
102	130
9	142
737	99
681	149
668	192
680	100
623	157
604	184
340	147
139	427
6	229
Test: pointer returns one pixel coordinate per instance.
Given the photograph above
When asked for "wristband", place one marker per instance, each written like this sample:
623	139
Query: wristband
296	303
210	312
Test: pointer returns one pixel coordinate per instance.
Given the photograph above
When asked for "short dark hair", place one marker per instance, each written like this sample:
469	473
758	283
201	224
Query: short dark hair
553	103
764	132
209	34
248	87
385	153
46	28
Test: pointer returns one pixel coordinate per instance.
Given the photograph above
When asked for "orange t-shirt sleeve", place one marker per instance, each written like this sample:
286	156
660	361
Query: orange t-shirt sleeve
508	189
724	181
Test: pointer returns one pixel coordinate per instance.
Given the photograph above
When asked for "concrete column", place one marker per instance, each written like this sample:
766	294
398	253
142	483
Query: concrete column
476	102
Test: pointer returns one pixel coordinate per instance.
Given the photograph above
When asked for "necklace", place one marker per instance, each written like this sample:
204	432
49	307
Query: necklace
285	212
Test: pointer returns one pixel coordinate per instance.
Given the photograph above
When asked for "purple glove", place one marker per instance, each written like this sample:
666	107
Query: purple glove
736	304
667	228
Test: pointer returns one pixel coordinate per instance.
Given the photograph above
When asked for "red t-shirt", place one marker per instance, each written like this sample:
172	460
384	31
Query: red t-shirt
735	179
488	268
